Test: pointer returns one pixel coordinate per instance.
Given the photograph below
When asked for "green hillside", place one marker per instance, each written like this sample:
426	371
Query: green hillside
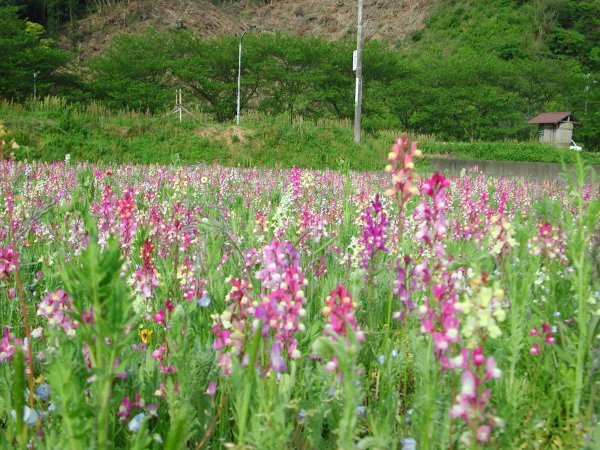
472	71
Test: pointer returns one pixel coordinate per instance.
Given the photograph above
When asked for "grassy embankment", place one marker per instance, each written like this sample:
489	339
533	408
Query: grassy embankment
51	129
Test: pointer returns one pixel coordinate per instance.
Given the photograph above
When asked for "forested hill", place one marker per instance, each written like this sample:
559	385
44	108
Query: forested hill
466	70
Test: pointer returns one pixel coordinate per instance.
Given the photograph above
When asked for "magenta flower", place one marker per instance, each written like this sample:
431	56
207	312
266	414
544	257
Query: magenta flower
7	348
339	311
211	389
374	233
296	183
9	261
126	213
159	352
543	337
124	408
160	317
106	209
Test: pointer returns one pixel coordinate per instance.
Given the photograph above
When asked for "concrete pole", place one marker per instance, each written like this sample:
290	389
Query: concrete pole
239	80
358	92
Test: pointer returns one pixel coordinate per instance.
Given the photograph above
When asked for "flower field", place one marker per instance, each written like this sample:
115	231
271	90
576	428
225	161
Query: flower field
210	307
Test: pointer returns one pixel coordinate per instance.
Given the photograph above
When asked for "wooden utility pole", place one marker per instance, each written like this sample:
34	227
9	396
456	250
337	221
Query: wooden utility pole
358	92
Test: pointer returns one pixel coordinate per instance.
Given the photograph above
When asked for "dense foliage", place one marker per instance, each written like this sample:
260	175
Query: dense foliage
200	306
27	57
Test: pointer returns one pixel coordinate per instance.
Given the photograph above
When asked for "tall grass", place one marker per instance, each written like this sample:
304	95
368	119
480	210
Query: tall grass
50	128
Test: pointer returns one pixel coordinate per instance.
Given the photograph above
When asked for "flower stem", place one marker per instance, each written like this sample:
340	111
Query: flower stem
248	384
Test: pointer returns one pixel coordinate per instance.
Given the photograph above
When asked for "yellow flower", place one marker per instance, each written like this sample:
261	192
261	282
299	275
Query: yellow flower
39	379
145	335
203	180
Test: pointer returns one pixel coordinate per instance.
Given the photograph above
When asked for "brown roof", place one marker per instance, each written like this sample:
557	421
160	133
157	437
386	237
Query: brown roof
553	117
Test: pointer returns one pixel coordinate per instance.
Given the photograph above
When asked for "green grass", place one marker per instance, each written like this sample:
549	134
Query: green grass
507	151
51	129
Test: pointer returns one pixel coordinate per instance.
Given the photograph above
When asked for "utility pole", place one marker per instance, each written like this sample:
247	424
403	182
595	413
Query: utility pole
35	74
239	98
358	92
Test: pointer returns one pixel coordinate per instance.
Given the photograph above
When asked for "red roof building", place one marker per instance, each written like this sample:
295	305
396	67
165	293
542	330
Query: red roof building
555	127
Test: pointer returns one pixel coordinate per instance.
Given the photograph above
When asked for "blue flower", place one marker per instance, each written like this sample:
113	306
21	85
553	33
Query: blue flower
409	444
30	416
361	410
301	414
204	302
331	391
395	353
136	423
381	359
43	390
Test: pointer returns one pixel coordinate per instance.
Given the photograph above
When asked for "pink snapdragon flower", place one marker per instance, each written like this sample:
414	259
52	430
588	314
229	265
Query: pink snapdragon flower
230	327
296	182
126	212
55	307
543	337
401	167
146	278
7	346
339	311
277	258
9	261
192	287
472	402
106	209
281	307
549	242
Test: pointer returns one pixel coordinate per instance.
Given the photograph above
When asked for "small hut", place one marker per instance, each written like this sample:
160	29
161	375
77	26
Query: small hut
555	127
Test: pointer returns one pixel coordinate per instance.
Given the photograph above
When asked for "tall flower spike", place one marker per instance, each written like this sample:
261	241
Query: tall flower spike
374	232
282	301
401	167
146	278
229	327
126	214
339	310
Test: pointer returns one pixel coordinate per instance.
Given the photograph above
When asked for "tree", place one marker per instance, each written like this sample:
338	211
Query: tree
132	71
209	68
464	97
305	76
26	52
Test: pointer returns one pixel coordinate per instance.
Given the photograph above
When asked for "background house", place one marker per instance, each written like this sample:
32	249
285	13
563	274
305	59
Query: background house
555	127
